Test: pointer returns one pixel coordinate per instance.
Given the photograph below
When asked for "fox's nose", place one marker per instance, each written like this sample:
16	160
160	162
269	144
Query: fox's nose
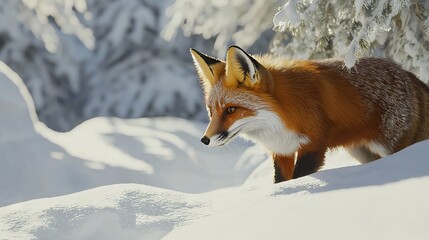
205	140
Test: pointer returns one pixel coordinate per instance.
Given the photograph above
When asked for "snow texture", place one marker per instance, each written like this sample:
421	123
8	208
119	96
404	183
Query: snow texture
115	160
353	29
38	162
86	58
314	29
246	23
287	16
129	58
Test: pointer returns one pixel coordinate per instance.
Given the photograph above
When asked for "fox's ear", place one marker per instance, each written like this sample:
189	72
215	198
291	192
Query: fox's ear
204	65
242	67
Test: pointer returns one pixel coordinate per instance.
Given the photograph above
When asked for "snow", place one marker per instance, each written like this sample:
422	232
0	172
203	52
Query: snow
287	15
395	211
248	23
78	63
101	151
110	178
353	29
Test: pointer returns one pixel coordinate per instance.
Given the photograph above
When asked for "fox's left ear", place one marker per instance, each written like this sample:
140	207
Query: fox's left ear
242	67
205	65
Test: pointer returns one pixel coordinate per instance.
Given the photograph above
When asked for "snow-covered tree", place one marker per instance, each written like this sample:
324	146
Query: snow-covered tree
396	29
86	58
127	58
44	41
247	23
134	72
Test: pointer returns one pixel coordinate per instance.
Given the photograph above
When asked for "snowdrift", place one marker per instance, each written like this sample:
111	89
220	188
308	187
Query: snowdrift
93	183
37	162
386	199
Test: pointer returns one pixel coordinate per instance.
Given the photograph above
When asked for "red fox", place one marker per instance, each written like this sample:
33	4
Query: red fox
299	109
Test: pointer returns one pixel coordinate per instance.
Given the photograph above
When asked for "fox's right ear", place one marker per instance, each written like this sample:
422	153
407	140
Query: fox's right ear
204	65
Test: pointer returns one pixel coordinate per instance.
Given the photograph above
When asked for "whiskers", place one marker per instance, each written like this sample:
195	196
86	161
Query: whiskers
229	136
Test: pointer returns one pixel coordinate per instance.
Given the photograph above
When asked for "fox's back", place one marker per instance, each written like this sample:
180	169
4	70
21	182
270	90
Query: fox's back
377	88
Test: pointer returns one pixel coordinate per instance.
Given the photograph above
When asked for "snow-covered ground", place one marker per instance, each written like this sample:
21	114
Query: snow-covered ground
165	152
151	178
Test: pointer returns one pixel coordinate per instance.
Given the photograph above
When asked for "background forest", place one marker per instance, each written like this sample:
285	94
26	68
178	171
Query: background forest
129	58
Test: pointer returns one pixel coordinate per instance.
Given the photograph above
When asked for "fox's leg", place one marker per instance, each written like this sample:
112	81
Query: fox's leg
362	154
308	162
283	167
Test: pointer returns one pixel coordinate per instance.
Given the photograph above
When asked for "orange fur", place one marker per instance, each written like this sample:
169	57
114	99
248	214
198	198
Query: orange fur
373	109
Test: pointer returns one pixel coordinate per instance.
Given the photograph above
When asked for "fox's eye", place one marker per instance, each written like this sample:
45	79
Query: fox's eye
230	110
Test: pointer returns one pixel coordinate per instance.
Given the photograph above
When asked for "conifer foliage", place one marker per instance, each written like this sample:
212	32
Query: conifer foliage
86	58
311	29
129	58
397	29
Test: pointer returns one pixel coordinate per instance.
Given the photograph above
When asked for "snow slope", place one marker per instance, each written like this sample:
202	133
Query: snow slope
165	152
196	192
386	199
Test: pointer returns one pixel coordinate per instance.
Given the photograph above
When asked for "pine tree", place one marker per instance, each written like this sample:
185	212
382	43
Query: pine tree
86	58
247	23
397	29
44	41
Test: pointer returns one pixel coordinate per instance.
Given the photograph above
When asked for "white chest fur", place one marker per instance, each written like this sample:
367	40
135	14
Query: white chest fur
266	128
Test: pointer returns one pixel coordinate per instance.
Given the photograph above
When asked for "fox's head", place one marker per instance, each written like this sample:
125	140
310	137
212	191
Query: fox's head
237	97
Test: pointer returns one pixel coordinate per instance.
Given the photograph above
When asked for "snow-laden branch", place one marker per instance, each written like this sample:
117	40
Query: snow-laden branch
237	21
351	29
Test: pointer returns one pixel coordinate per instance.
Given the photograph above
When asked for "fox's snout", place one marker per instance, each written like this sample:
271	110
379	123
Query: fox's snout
212	129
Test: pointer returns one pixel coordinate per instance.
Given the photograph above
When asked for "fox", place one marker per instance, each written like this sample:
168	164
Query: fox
298	109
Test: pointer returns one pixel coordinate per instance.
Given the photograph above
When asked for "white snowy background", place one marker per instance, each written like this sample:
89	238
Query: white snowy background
64	62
